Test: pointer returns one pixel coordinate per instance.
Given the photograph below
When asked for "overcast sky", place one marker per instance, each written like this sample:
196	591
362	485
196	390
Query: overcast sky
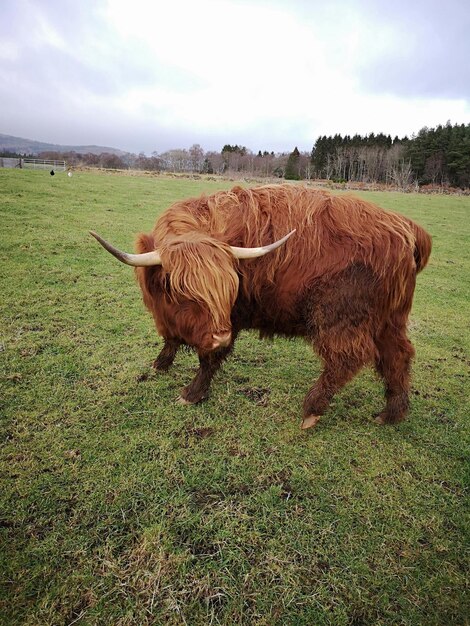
269	74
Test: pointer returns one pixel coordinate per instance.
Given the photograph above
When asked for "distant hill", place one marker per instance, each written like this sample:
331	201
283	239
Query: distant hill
29	146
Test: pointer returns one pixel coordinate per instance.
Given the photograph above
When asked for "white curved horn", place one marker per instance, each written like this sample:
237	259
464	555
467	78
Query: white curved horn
146	259
252	253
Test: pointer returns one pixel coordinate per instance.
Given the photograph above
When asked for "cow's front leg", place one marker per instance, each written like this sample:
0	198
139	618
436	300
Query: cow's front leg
167	355
198	388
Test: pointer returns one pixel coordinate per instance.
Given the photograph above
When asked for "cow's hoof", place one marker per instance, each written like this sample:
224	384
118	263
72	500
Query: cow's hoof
160	366
183	401
385	418
310	422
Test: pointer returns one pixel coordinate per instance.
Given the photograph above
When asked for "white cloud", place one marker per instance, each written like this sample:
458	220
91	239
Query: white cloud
9	50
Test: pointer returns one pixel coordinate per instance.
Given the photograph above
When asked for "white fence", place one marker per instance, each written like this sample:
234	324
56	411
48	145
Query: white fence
43	164
33	164
10	162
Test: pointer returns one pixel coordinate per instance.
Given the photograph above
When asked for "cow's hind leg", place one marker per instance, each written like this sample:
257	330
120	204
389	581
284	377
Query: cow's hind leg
395	353
167	355
341	317
198	388
339	369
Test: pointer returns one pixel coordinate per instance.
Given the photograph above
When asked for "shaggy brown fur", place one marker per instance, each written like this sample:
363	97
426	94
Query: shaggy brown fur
344	281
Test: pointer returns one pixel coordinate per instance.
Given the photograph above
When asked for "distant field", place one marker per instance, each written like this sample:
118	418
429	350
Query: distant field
119	507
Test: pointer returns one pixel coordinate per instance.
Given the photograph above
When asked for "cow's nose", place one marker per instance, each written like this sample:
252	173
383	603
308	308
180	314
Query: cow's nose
222	340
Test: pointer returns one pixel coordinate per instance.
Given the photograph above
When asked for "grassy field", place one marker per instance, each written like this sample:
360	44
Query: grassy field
120	507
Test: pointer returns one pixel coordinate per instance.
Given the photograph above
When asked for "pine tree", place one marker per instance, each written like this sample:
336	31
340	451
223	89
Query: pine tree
292	167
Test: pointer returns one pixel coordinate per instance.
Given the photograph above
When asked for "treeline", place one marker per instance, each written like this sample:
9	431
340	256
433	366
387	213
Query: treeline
435	156
441	155
230	160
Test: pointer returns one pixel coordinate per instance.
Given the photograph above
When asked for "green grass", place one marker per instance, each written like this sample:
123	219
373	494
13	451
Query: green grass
120	507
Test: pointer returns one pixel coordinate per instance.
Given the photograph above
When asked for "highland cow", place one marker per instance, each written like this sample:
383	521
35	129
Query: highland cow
285	260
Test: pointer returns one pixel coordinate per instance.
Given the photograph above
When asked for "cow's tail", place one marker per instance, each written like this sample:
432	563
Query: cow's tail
423	245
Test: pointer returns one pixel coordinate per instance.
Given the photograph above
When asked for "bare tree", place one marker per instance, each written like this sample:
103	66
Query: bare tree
402	174
215	162
434	167
330	166
176	160
393	157
305	166
196	158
